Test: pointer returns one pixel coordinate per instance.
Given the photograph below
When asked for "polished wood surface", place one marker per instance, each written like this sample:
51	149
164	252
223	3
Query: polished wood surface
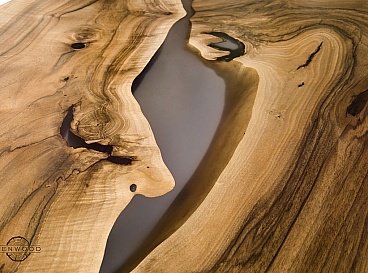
74	60
283	187
288	191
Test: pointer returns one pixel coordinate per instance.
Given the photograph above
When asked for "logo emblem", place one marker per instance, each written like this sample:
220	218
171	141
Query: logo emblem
18	249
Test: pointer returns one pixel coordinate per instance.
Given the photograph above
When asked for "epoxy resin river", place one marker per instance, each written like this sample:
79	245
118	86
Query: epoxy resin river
183	101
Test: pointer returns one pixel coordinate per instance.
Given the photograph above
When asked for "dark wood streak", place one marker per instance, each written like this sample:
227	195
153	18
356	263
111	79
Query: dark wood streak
14	210
268	226
265	229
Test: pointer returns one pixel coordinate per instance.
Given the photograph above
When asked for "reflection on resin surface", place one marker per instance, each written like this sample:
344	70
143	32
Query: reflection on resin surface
183	101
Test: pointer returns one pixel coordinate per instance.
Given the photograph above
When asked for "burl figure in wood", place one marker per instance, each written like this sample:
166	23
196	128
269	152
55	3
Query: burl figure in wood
58	202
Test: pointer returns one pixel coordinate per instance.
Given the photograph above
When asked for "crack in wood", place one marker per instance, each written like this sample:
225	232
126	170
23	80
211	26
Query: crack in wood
311	57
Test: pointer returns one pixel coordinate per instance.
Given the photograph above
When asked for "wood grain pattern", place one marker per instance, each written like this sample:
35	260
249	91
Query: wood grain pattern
291	195
80	55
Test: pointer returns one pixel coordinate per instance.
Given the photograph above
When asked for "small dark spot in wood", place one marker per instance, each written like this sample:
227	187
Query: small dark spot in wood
279	116
87	185
147	167
358	104
310	57
78	46
300	85
133	187
66	79
168	13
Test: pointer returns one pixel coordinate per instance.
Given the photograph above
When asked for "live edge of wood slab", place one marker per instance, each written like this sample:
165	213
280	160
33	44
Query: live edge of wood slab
58	202
284	186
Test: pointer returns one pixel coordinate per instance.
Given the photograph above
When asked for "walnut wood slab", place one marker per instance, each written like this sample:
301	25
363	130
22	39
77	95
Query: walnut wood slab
291	195
83	56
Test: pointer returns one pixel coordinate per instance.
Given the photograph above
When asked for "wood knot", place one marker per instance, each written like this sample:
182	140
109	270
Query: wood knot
86	34
358	103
